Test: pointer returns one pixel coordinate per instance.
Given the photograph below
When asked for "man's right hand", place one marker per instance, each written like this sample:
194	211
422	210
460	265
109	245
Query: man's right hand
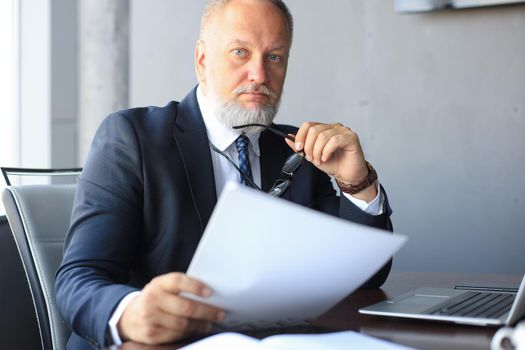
160	315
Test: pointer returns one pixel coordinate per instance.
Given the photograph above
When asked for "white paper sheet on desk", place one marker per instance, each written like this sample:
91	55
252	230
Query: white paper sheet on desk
331	341
270	261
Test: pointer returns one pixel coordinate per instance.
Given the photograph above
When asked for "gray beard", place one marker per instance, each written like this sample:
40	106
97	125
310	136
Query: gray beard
231	114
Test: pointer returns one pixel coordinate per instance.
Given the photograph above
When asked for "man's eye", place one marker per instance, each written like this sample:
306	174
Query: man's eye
239	52
274	58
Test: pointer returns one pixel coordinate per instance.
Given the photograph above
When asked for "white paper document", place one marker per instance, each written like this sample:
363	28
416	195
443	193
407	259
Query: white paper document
332	341
271	261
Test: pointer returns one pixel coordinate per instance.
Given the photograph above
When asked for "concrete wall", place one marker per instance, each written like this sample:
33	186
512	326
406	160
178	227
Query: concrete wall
103	65
438	100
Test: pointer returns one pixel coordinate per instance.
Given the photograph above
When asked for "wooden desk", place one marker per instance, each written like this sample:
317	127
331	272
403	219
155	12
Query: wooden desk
424	335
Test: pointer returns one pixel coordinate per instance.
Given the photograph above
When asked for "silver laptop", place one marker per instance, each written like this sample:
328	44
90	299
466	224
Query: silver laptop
475	307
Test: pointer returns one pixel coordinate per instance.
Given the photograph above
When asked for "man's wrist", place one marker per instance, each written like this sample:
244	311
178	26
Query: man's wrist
365	183
373	207
117	314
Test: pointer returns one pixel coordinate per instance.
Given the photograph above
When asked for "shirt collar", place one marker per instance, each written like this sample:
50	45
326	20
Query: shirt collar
221	136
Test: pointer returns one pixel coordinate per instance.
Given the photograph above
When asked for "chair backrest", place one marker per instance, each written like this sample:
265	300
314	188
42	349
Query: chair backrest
7	172
39	217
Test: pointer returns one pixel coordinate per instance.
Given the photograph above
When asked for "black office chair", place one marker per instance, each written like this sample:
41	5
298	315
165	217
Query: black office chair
39	217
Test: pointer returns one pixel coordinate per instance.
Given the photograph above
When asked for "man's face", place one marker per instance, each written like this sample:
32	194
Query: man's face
244	49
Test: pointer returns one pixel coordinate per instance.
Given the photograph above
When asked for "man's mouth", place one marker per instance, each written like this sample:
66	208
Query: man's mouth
255	93
254	90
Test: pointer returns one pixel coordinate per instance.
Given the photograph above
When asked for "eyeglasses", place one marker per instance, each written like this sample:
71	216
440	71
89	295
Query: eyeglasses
291	165
287	172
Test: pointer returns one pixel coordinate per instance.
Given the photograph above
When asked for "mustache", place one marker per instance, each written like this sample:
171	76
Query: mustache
261	89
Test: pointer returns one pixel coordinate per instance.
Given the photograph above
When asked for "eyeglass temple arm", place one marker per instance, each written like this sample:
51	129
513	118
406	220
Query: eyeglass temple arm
250	181
272	129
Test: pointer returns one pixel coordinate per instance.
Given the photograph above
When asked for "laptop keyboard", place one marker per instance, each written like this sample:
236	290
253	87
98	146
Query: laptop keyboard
475	304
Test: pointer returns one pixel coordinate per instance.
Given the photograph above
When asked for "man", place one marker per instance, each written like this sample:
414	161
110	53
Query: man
152	179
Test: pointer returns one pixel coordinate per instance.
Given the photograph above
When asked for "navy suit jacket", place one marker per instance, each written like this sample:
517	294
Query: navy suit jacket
143	201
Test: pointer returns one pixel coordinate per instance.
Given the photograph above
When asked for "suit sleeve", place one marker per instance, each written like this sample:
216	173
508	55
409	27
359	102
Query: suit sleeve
104	231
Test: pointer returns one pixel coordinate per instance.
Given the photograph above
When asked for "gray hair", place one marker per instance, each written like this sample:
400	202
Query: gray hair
213	5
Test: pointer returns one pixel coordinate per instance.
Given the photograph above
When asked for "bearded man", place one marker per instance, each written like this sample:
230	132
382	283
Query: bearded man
153	176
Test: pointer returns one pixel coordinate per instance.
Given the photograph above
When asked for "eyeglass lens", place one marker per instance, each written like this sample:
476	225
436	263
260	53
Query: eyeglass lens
292	164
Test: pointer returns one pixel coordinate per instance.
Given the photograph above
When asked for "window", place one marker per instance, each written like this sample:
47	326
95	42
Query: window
8	86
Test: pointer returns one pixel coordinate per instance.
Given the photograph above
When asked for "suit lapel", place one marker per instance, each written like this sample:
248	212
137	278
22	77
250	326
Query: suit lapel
191	137
273	156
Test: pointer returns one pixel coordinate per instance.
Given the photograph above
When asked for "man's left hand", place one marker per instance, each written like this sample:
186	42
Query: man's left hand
334	149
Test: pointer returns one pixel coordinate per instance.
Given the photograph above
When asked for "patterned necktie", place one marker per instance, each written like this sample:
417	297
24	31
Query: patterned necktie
244	159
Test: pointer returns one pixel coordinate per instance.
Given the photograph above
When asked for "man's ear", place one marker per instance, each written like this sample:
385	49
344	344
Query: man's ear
200	61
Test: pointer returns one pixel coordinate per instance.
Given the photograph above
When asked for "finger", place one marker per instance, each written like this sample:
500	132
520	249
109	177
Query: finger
335	143
291	144
198	326
181	325
158	326
164	336
300	137
320	143
311	139
177	282
343	138
192	309
162	329
175	328
155	334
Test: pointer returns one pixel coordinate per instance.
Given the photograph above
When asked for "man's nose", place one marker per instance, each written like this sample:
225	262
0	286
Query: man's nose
257	73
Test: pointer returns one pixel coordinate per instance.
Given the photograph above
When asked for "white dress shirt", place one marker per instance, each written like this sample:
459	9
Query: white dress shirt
224	139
